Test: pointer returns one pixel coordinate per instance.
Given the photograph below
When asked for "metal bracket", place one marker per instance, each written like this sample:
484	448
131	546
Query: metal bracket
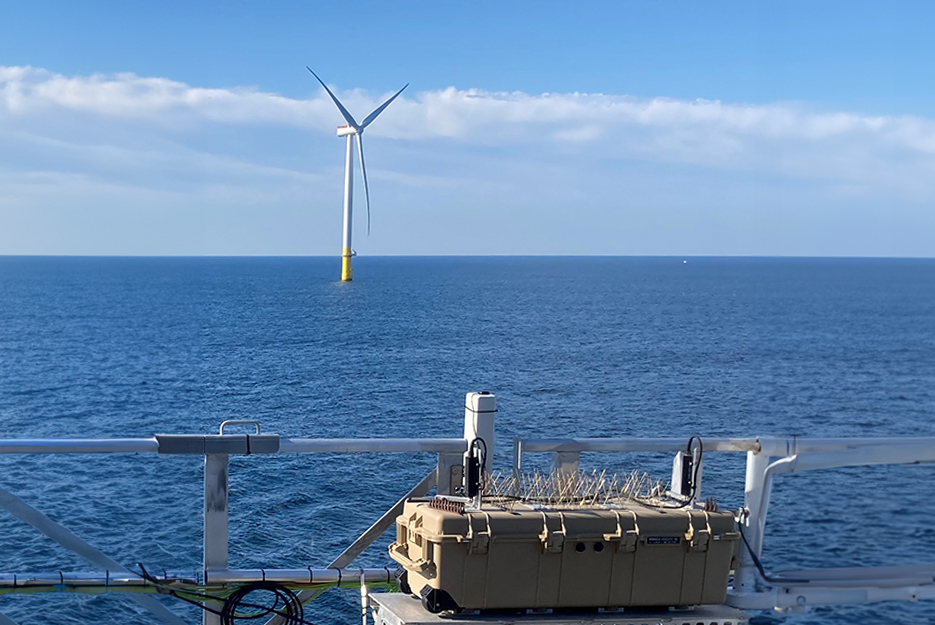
201	444
255	424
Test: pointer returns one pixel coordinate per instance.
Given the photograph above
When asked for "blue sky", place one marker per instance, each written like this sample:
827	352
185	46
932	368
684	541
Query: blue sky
782	128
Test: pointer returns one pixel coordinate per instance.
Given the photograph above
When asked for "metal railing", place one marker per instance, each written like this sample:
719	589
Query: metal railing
766	458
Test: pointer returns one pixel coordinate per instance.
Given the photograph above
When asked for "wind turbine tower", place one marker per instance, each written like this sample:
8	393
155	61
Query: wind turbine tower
353	130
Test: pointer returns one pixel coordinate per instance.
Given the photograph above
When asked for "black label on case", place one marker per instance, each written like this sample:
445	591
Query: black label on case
663	540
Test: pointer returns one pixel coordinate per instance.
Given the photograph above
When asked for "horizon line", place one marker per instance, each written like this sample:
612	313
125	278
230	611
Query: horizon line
337	256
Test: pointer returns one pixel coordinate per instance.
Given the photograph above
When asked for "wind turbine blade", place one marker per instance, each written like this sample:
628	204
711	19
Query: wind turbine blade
380	108
363	174
347	116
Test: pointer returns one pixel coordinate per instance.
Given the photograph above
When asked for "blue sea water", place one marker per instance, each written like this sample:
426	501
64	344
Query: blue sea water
108	347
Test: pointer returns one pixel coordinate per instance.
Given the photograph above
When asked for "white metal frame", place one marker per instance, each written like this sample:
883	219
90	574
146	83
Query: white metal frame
216	449
766	458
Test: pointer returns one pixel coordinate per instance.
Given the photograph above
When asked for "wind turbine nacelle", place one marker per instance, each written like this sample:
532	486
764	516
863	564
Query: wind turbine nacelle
343	131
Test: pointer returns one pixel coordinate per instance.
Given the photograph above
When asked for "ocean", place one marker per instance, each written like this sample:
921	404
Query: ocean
113	347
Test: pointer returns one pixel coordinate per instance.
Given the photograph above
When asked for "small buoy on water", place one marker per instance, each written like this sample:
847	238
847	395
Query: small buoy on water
684	262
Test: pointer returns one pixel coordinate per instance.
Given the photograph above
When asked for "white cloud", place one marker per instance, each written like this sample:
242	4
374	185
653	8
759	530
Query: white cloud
218	145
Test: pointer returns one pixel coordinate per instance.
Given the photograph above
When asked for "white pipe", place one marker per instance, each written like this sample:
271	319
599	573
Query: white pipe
795	445
767	445
800	598
757	464
288	445
215	521
860	456
123	578
343	577
78	445
371	445
634	444
364	598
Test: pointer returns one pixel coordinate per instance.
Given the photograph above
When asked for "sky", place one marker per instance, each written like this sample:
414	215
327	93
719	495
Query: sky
618	128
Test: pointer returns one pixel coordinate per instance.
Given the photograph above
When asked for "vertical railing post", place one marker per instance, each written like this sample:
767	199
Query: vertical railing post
753	525
479	411
215	529
517	458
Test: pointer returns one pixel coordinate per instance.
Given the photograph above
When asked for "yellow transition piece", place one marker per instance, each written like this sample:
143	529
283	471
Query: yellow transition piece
346	273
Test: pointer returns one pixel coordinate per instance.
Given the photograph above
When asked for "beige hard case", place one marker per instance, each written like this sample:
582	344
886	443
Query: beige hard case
576	558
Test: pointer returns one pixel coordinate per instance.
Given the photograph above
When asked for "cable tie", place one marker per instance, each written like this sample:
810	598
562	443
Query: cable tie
310	576
339	578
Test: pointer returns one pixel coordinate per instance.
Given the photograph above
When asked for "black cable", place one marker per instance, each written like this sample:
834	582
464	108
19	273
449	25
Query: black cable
483	464
292	610
759	565
168	590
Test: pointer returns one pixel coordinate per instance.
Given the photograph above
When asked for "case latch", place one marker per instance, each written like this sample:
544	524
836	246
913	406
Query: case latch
624	540
553	533
697	539
478	540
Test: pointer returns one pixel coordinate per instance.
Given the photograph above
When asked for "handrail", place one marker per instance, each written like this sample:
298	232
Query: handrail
287	445
634	444
369	445
78	445
773	446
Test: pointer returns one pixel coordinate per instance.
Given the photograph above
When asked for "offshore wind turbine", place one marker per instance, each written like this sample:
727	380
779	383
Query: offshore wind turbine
352	130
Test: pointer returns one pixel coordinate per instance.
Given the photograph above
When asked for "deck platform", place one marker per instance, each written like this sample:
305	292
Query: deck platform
403	609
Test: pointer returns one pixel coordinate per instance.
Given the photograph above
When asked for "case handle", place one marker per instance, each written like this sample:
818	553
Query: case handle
401	554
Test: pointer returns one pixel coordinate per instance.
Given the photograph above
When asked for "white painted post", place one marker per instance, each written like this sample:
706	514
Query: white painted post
215	522
753	525
479	410
364	598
